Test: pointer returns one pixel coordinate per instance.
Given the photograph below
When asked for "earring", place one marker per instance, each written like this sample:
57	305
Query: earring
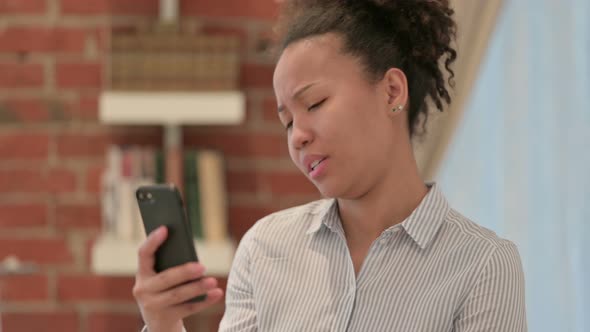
397	109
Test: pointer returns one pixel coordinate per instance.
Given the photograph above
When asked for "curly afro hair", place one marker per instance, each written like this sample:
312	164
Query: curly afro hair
412	35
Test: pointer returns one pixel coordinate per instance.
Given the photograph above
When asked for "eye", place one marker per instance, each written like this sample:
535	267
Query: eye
289	125
316	105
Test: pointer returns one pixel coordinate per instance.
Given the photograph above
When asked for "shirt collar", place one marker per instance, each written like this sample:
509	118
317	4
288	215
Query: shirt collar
326	214
425	221
422	224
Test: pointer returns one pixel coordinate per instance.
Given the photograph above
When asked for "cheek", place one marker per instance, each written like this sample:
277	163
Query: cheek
357	123
366	135
293	153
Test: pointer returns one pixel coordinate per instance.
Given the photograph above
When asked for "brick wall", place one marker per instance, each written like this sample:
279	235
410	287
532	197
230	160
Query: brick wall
52	149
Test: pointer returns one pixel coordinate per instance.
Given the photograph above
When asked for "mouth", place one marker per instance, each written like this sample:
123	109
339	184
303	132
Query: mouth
315	164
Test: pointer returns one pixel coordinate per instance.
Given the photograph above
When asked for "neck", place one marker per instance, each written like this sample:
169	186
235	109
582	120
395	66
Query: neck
387	203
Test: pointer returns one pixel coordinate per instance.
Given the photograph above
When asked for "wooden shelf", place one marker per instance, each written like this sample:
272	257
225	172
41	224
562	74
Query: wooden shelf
172	108
111	256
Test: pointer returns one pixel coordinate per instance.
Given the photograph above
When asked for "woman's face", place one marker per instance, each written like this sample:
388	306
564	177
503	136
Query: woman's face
338	125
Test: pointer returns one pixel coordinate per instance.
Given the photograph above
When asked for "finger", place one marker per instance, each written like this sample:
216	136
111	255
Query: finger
187	309
184	293
175	276
147	251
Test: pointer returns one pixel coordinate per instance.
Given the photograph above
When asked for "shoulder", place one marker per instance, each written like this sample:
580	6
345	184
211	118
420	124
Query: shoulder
283	228
478	235
494	286
289	221
482	244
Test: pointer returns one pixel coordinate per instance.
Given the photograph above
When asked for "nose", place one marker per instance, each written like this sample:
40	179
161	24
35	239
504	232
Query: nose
301	135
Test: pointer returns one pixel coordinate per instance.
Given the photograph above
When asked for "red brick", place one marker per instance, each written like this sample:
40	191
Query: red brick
39	250
114	322
62	321
85	7
262	9
82	145
37	181
238	32
242	145
243	182
24	146
78	75
15	75
29	110
22	215
94	179
78	216
35	39
123	29
241	218
269	110
23	6
256	76
290	183
76	288
252	108
61	181
117	7
86	109
26	110
94	145
18	180
24	288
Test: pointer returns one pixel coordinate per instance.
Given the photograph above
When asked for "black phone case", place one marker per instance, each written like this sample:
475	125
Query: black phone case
162	205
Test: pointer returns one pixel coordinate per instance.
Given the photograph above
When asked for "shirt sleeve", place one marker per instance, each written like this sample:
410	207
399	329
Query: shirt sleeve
497	301
240	310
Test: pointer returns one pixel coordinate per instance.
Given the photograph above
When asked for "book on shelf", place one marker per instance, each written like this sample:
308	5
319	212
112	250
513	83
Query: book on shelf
127	168
172	62
192	193
205	194
213	195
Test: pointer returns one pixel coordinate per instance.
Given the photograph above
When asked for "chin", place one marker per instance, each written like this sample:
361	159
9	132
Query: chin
346	191
333	186
328	194
329	190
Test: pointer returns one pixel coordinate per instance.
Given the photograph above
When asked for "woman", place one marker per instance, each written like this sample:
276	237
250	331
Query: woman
384	252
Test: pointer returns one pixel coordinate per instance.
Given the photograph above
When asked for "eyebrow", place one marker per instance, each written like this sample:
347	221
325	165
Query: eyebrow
297	94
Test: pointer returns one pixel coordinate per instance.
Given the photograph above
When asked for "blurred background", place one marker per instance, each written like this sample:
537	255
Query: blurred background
89	110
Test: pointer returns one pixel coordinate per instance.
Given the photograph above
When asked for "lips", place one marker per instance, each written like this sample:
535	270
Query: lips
312	161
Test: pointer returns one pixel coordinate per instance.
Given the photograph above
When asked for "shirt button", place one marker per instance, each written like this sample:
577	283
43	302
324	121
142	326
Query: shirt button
383	242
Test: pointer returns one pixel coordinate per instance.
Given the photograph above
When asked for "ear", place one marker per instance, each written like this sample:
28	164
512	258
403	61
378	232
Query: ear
395	86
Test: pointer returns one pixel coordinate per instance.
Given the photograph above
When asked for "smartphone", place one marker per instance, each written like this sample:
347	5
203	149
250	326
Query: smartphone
162	205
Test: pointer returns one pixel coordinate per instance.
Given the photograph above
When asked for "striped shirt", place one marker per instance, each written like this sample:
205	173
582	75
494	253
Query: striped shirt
435	271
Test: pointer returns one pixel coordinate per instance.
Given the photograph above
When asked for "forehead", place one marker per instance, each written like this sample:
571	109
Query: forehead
312	59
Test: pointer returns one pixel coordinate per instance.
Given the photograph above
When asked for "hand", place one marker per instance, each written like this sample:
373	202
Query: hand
162	297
